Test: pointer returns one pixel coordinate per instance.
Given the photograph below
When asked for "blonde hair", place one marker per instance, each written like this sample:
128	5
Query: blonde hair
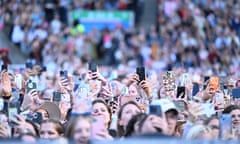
197	130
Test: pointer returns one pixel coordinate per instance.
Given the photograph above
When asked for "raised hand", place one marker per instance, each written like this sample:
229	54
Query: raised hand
132	78
65	84
6	88
145	85
32	101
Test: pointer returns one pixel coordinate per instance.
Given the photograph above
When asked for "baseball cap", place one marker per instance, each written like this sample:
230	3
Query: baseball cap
52	110
165	104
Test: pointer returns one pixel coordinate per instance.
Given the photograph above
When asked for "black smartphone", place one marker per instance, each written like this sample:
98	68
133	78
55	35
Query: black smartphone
56	96
169	74
181	91
4	67
205	83
31	85
225	121
29	65
156	110
43	68
35	117
141	73
236	92
63	74
92	67
195	89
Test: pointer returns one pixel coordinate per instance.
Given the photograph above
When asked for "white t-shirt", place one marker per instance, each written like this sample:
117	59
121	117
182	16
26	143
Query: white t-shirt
56	26
17	34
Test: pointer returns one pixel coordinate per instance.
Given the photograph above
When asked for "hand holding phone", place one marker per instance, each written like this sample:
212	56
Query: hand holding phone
195	89
18	80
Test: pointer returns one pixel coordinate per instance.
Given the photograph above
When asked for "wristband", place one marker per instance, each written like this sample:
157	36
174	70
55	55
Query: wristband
6	97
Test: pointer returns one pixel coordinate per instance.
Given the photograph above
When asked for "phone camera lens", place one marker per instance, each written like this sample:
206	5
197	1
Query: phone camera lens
30	85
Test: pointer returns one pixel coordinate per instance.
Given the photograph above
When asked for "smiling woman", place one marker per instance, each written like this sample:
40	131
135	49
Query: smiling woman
79	130
51	129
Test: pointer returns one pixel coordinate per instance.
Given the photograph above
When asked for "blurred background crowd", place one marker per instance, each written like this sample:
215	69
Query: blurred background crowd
190	55
199	34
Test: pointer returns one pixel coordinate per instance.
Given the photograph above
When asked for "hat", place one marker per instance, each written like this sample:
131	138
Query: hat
231	82
165	104
52	110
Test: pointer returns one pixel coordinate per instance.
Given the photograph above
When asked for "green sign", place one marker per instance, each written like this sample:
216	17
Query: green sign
100	18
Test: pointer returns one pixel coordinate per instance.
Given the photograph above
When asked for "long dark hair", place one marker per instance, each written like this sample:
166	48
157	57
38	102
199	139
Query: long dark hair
131	124
108	109
120	128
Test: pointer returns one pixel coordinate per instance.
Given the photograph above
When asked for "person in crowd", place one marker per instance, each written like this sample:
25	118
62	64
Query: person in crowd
234	111
213	123
126	112
133	125
200	132
198	38
101	108
171	113
51	129
79	130
152	124
23	127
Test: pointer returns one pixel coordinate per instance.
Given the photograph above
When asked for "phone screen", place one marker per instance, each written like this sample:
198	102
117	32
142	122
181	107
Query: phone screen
195	89
236	93
29	65
92	67
181	91
225	125
18	80
12	111
4	67
56	96
141	73
206	79
64	74
156	110
98	125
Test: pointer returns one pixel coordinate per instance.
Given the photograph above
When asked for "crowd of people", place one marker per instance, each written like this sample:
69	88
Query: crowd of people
91	86
86	106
